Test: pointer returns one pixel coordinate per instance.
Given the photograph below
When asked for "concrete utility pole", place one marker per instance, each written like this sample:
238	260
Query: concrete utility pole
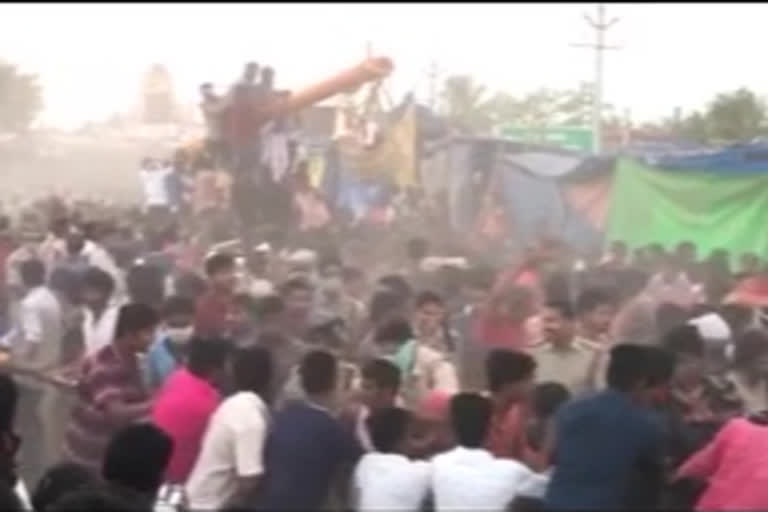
599	46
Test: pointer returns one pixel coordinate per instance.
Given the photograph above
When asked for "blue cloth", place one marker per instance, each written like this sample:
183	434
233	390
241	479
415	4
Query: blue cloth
608	455
305	450
161	362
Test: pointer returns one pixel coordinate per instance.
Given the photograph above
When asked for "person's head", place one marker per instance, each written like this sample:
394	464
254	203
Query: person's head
243	314
558	323
319	373
58	481
669	316
270	311
354	282
596	309
75	240
380	383
429	313
135	329
297	296
685	342
471	419
220	269
207	358
619	251
514	304
268	78
686	253
749	263
547	399
190	285
392	335
32	273
206	91
477	284
137	457
178	319
640	371
750	354
252	370
330	266
59	227
388	428
417	249
509	374
385	305
398	285
97	288
250	72
94	499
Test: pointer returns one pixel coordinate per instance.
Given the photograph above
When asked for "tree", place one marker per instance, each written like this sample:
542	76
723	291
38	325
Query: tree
463	103
736	116
20	99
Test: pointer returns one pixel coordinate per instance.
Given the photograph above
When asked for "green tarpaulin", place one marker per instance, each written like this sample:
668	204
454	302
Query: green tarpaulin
713	210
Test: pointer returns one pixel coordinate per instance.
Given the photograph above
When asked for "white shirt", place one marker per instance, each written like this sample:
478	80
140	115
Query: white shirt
233	448
386	481
39	322
473	479
154	185
98	333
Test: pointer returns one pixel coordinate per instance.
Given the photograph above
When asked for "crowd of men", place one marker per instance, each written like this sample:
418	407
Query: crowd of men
147	374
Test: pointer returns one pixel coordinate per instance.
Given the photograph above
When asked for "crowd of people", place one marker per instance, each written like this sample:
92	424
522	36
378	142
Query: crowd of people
282	376
178	357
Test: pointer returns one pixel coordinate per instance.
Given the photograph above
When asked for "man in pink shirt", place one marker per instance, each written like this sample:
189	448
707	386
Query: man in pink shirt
187	401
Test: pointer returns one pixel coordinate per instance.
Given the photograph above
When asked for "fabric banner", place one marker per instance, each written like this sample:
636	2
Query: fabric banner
715	210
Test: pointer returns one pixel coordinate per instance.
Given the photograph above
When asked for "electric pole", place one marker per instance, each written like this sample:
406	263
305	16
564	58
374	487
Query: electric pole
433	74
600	25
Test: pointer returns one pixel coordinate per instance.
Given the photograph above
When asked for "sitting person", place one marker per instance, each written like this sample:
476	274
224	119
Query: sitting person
386	479
469	477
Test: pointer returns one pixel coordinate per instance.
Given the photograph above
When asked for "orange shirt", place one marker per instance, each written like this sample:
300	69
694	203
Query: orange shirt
507	437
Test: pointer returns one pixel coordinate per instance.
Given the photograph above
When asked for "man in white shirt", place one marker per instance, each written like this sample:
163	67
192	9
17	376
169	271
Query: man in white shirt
386	479
36	344
100	314
230	463
469	477
154	177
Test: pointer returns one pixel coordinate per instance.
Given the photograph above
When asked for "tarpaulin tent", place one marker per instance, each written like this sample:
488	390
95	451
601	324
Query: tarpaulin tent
712	206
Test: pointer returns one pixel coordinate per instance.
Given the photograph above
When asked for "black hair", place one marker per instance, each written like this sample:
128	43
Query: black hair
384	373
631	366
94	499
471	419
383	303
9	400
269	306
58	481
749	346
219	262
33	273
190	285
252	369
417	248
669	316
295	284
684	340
318	372
388	427
9	500
205	356
396	330
137	457
592	298
737	316
135	317
398	285
428	297
146	283
178	305
548	397
562	307
504	367
96	279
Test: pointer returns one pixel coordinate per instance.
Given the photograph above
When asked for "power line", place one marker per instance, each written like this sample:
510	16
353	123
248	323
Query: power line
600	26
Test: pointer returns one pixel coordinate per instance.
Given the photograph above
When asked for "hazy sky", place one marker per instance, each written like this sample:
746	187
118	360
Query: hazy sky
91	57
